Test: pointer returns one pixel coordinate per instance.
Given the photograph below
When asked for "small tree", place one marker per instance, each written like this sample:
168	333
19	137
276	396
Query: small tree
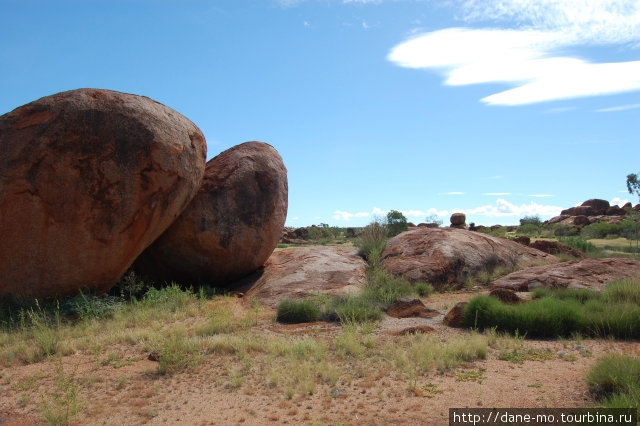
396	223
633	184
531	220
433	219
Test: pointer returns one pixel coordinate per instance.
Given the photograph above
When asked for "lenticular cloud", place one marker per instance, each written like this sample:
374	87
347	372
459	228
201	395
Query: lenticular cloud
527	57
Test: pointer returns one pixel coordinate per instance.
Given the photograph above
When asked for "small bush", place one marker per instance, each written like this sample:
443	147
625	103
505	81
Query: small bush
355	310
615	375
601	230
623	291
531	220
292	311
578	243
553	313
170	298
92	307
385	289
372	242
423	289
529	229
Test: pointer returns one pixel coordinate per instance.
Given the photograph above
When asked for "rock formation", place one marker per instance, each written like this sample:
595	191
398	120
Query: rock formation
446	256
88	179
590	273
591	211
232	225
458	220
300	272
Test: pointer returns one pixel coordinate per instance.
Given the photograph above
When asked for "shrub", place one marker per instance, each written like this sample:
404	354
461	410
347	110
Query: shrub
615	374
554	313
601	230
578	243
529	229
92	307
355	309
372	242
292	311
170	298
423	289
623	291
385	289
531	220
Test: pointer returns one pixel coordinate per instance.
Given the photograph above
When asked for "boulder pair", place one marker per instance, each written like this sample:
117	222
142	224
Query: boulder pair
90	179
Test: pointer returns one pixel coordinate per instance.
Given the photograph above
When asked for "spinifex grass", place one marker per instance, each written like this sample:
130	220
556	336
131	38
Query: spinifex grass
614	312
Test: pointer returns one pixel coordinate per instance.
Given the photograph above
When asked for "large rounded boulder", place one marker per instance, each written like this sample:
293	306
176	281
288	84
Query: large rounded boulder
445	257
232	225
88	179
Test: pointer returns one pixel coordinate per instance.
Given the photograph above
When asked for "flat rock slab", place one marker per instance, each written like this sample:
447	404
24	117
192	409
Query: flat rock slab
301	272
594	274
447	256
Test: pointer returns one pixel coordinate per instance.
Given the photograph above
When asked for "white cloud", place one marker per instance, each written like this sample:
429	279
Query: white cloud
619	108
504	208
346	216
618	201
455	193
527	57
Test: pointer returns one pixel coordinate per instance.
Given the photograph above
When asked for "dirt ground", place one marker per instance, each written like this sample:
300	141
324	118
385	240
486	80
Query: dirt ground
131	392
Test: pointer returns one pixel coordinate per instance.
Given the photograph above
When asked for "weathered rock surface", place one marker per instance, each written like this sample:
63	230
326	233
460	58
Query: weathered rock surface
455	317
446	256
88	179
599	207
408	308
505	295
300	272
595	274
579	211
555	247
232	225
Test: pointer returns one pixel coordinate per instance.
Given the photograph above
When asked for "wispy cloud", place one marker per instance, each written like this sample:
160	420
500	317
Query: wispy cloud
527	57
454	193
346	216
619	108
504	208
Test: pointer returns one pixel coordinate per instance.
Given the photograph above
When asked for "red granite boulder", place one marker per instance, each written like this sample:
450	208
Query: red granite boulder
232	225
447	256
88	179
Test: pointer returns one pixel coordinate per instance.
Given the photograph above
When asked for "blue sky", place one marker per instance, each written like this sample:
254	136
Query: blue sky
499	109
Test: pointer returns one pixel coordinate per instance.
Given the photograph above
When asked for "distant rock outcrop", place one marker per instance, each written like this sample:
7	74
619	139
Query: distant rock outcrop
232	225
300	272
590	273
446	256
591	211
88	179
458	220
